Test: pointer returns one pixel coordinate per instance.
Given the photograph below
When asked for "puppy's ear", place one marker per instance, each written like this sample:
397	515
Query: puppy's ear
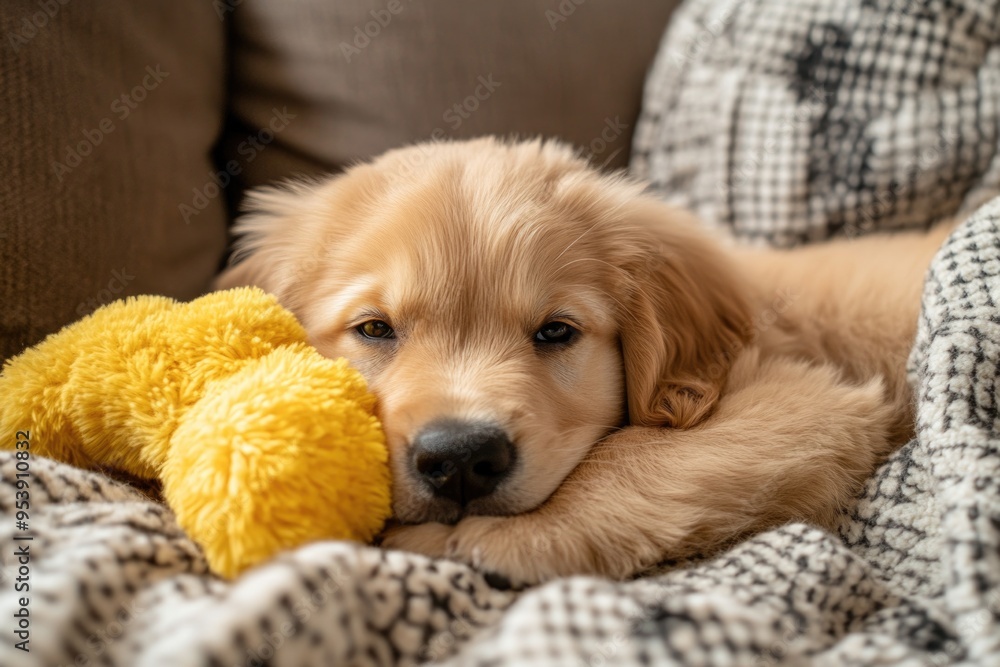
686	319
280	237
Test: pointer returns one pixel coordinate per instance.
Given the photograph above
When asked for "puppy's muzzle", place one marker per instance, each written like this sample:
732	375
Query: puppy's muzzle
462	461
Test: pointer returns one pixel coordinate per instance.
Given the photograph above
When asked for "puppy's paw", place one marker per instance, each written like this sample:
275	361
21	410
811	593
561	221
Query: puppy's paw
429	539
505	547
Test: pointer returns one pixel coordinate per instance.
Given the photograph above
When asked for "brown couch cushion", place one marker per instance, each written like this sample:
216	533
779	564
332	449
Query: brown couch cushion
93	181
357	78
315	86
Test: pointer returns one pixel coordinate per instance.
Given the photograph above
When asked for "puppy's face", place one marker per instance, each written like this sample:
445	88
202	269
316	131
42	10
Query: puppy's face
500	300
494	358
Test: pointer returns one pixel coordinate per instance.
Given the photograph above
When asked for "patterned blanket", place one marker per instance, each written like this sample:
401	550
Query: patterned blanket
913	575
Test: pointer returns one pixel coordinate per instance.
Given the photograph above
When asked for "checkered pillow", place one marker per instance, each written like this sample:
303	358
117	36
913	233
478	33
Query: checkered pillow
788	122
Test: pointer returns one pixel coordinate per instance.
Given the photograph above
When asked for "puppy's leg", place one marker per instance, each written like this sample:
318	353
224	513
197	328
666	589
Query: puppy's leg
788	441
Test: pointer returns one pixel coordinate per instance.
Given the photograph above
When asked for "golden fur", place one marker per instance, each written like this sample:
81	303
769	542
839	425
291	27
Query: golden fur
758	386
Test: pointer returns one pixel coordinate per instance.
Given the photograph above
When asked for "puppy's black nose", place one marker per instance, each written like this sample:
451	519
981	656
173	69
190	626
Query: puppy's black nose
462	460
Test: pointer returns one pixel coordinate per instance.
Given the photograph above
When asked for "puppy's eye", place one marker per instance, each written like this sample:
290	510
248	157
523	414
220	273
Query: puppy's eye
555	332
375	329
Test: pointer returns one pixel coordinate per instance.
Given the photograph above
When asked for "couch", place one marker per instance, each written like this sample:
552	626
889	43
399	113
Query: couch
131	131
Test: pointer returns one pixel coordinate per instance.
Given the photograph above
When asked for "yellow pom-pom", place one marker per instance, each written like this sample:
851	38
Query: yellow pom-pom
287	452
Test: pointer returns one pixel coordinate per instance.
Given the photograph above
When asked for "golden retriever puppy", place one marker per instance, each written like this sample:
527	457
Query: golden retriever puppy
573	377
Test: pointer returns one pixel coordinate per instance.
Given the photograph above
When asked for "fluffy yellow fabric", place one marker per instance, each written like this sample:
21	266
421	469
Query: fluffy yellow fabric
260	442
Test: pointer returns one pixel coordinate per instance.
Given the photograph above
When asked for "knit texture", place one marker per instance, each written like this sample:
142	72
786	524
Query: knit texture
789	122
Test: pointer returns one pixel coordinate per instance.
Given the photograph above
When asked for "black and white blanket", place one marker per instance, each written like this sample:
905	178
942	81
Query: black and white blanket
911	578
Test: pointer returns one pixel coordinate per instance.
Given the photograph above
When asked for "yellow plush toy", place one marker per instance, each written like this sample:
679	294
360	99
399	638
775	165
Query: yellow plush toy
261	444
